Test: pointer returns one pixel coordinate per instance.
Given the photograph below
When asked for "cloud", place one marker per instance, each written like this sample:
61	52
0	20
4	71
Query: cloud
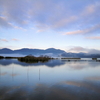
93	51
53	14
88	30
90	9
4	23
17	27
39	31
4	40
78	49
15	39
94	37
15	11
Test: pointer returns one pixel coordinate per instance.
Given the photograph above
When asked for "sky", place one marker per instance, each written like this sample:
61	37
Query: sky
70	25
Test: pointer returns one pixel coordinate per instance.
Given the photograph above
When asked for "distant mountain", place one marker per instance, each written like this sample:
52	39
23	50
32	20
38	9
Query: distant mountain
80	55
6	51
26	51
50	52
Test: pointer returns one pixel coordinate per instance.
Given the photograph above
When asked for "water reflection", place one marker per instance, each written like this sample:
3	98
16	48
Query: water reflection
51	63
72	91
53	80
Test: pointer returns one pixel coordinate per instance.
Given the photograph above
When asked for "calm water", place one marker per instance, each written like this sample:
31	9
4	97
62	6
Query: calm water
53	80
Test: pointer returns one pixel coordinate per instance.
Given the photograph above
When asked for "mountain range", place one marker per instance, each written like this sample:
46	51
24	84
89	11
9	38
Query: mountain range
27	51
50	52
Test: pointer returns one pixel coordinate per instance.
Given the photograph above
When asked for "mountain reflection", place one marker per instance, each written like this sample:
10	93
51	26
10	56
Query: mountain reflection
51	63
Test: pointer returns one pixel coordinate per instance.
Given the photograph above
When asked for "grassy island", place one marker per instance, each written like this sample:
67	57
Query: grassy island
32	59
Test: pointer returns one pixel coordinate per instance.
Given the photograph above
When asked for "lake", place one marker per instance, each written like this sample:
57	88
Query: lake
52	80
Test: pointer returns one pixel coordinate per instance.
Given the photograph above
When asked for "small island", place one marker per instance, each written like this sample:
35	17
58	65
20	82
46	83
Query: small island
33	59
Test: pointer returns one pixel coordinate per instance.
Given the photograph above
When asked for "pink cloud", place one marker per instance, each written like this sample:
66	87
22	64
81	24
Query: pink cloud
4	23
4	40
90	9
95	37
88	30
15	39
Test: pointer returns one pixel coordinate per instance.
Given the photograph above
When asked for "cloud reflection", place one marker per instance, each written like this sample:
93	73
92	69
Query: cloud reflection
84	84
4	73
14	74
97	78
55	92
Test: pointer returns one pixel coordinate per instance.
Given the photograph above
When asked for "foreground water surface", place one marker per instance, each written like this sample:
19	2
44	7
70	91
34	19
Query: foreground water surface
53	80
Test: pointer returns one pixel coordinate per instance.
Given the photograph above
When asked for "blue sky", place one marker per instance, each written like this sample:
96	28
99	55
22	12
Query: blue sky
70	25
